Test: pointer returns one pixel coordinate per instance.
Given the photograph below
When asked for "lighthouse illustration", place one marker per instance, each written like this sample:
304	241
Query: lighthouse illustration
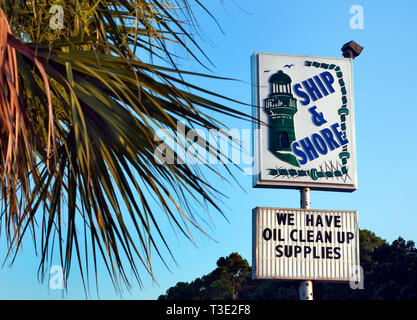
280	107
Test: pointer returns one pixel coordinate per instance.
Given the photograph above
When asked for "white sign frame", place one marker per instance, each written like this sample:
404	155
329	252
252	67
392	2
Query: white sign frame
331	171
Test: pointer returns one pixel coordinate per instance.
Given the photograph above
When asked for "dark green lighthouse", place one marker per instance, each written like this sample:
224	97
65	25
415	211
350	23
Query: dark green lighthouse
281	107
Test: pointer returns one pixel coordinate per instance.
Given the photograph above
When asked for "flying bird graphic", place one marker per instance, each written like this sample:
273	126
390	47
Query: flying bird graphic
266	71
288	66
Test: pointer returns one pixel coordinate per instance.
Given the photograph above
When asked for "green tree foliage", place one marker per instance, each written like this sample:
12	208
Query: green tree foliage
396	264
233	270
225	282
390	272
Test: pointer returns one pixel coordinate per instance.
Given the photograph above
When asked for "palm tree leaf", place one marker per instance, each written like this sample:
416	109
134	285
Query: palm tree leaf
88	116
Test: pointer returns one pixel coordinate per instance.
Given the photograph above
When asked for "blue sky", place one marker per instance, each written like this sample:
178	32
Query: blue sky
386	136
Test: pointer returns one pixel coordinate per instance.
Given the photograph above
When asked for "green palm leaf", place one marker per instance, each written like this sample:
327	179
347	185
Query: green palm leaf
82	149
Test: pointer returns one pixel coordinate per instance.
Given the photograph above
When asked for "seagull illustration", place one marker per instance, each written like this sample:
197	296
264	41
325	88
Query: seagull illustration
266	71
288	66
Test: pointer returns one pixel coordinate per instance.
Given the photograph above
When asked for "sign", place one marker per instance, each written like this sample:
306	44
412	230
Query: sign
305	244
305	136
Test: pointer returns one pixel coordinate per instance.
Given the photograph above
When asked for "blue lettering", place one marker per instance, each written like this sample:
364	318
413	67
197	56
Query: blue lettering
300	153
312	89
328	80
339	134
301	94
326	140
309	148
315	88
328	136
322	87
319	143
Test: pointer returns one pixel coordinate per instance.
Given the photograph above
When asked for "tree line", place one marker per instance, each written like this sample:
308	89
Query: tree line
390	273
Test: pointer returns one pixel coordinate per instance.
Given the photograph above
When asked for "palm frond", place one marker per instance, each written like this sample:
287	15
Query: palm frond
80	112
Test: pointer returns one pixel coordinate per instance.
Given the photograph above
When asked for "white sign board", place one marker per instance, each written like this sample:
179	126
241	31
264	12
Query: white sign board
305	136
305	244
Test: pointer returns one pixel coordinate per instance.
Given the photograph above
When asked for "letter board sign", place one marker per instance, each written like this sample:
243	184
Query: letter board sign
305	244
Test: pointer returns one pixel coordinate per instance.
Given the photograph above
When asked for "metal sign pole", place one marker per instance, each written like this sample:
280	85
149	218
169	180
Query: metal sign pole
306	286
